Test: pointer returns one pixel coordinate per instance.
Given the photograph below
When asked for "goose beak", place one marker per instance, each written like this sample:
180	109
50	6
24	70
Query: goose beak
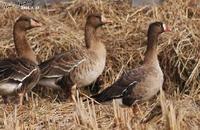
167	28
35	23
104	20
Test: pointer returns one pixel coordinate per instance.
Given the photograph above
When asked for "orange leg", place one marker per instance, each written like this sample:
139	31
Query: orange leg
21	97
134	109
73	93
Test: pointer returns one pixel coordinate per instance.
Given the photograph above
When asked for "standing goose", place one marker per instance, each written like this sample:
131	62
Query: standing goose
142	83
77	67
20	75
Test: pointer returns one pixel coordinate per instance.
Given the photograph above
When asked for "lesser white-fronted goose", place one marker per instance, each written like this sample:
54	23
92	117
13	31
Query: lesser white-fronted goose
80	67
142	83
19	75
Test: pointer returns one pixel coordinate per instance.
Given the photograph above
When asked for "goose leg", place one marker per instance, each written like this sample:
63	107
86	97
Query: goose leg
65	85
73	92
21	97
135	108
68	91
154	112
96	86
5	99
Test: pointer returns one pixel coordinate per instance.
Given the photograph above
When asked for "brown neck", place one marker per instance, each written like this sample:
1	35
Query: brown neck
90	37
93	43
151	52
22	47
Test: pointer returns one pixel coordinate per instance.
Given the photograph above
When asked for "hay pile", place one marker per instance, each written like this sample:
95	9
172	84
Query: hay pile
125	41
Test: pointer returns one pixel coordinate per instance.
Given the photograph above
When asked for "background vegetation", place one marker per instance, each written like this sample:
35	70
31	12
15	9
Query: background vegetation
125	41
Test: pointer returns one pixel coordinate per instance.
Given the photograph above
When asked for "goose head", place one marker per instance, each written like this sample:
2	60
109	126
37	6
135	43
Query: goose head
97	20
155	29
26	23
158	28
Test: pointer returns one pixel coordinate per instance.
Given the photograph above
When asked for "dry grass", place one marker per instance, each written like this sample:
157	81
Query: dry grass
125	41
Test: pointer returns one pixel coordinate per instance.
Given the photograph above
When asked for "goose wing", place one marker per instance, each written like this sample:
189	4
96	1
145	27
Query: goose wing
61	64
20	71
129	79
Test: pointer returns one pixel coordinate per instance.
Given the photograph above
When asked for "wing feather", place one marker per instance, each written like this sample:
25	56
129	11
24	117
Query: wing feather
15	69
62	64
129	79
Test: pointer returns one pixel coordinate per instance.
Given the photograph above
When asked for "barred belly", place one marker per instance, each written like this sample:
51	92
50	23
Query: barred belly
89	74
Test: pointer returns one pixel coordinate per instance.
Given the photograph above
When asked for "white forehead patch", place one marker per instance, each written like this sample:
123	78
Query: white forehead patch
17	18
103	19
164	26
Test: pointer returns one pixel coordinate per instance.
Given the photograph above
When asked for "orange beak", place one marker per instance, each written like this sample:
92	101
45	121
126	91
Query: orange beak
35	23
167	28
104	20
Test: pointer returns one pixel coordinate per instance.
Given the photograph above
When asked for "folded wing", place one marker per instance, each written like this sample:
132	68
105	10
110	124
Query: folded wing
125	83
21	72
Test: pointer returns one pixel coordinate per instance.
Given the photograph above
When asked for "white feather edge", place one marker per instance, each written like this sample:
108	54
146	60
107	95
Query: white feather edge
164	26
19	86
67	71
119	100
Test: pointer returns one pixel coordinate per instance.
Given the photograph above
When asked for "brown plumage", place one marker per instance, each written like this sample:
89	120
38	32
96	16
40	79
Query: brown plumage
141	83
80	67
20	75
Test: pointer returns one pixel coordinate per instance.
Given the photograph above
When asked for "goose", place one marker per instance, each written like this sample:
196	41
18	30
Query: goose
140	84
78	67
19	75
